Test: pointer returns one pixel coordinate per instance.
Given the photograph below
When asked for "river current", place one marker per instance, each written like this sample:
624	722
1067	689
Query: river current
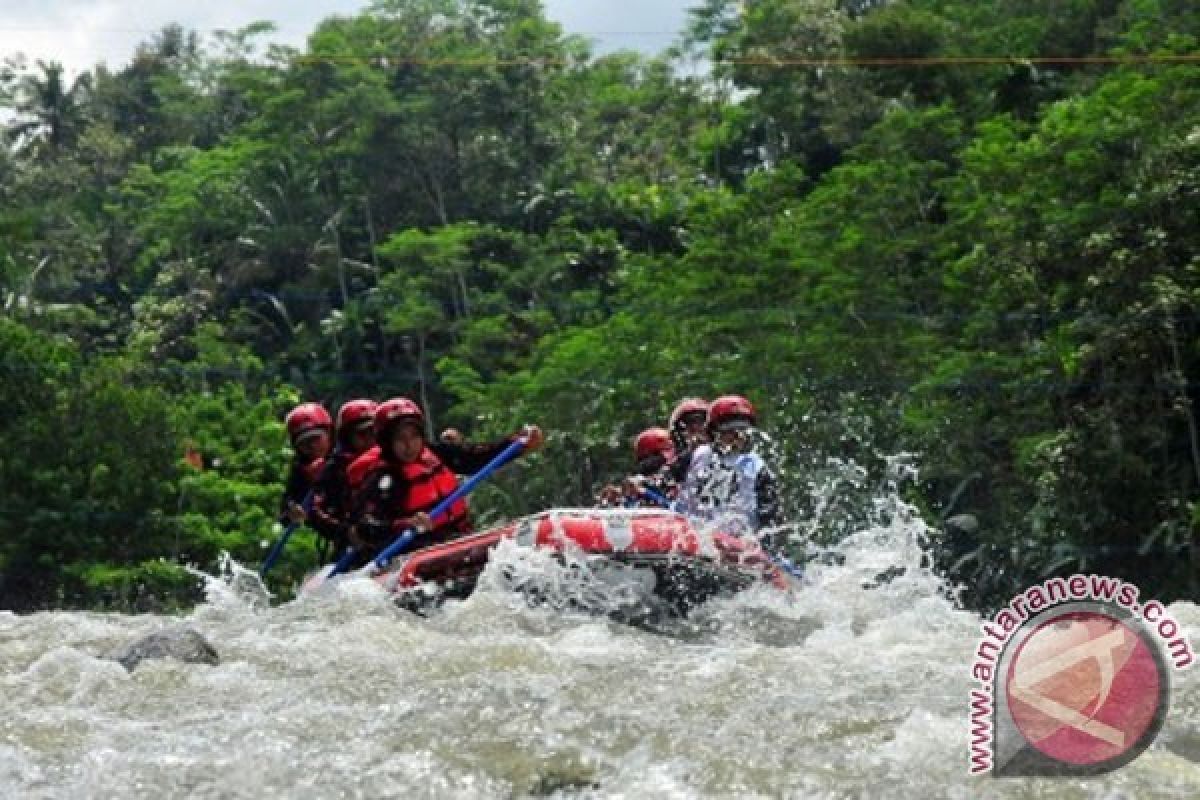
837	691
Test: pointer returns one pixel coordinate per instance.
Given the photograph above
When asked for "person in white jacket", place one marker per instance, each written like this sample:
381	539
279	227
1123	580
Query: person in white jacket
727	482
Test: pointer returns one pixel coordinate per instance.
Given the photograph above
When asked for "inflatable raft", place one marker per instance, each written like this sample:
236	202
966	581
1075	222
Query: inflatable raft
659	551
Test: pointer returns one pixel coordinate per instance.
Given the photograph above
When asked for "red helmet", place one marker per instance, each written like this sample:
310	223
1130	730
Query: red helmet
354	413
730	410
307	417
653	442
397	408
692	405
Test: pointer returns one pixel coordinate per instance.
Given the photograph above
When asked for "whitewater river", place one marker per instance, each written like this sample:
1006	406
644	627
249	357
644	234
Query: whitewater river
840	691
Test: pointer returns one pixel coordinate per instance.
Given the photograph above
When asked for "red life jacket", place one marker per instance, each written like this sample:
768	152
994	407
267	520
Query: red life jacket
363	466
429	481
423	484
312	470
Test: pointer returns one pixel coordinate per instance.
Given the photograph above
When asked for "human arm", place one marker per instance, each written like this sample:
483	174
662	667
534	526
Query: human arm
468	458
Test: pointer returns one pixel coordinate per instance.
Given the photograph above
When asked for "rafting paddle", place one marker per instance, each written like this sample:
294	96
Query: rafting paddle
281	542
404	540
785	564
657	497
306	504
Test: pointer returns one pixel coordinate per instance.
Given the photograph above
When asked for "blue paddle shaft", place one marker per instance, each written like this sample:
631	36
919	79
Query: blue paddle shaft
306	504
656	497
785	564
344	562
281	542
406	538
508	454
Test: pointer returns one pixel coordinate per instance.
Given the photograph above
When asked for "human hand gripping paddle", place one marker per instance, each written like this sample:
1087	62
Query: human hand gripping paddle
306	504
281	542
405	539
657	498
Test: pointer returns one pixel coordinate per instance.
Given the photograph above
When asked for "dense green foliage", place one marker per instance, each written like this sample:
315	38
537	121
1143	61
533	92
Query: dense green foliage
994	264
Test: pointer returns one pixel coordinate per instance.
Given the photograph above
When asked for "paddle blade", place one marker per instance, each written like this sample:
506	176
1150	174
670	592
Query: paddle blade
318	579
322	576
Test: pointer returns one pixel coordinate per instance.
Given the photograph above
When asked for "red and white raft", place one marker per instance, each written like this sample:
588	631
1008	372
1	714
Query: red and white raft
678	563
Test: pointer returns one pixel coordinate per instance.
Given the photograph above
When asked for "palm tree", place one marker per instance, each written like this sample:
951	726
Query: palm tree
49	115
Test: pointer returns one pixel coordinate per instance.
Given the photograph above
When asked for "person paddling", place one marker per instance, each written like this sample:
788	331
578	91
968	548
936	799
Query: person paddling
310	429
652	481
331	494
396	484
727	481
688	427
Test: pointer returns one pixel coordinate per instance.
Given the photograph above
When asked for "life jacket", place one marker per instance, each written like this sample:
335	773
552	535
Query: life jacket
429	481
337	473
419	486
312	470
302	476
331	496
363	466
722	487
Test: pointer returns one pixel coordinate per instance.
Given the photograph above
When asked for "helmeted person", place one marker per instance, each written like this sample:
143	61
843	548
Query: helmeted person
688	427
310	430
654	457
397	484
355	432
727	482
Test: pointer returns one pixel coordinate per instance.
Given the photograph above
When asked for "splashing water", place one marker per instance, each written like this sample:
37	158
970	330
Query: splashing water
838	690
234	586
567	582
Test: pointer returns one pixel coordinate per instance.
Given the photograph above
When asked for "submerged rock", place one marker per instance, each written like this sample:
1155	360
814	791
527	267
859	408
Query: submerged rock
183	644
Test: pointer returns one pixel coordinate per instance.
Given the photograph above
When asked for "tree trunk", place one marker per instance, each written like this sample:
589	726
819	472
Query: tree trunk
371	235
422	388
1185	402
341	265
462	287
